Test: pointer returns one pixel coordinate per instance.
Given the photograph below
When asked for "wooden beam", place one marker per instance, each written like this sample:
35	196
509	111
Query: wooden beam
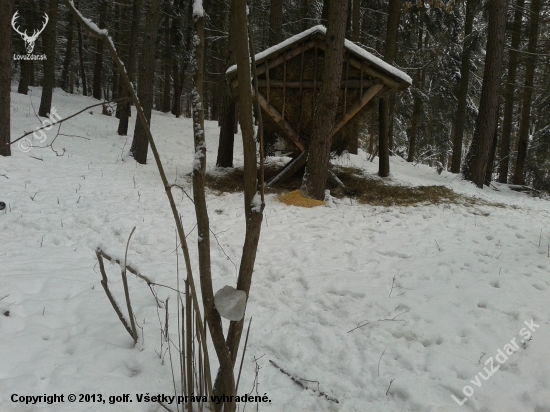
353	110
284	124
290	169
309	84
372	71
291	53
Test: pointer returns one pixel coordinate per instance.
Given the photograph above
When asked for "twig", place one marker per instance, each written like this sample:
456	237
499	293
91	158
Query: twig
110	296
437	245
393	281
127	292
364	323
380	360
390	386
242	358
121	100
298	381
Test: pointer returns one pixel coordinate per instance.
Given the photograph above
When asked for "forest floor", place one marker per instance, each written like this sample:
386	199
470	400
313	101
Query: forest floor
388	306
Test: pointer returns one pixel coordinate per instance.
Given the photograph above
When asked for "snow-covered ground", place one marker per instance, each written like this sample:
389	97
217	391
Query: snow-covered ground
465	279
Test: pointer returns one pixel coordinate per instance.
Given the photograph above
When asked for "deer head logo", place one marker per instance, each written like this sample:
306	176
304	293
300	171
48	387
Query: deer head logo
29	40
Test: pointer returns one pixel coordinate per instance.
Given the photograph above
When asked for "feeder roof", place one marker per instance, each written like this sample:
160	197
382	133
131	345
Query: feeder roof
386	69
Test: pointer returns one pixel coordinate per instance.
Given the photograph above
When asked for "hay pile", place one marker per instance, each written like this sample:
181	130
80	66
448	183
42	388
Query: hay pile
295	198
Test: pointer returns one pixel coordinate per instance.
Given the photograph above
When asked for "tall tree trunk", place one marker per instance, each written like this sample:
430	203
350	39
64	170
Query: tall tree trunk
5	75
146	81
390	53
26	65
315	177
504	150
462	98
49	64
96	85
476	160
68	53
166	63
229	111
81	57
530	61
275	22
492	153
131	63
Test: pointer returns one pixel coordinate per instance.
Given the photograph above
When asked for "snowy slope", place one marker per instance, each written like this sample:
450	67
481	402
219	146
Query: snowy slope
466	280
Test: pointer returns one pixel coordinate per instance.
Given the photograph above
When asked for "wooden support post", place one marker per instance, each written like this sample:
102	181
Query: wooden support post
284	88
267	80
346	88
314	80
301	88
353	110
284	124
290	169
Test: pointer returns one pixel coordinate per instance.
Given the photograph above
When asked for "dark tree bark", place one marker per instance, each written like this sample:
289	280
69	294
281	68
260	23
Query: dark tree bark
229	111
504	150
81	57
25	76
49	64
462	98
475	163
5	75
492	153
275	22
146	81
98	67
390	53
166	63
26	65
315	177
130	64
530	62
64	83
177	45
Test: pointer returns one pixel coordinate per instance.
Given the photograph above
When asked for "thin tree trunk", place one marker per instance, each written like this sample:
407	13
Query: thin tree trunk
24	78
49	64
417	106
96	85
5	75
475	163
81	57
166	63
68	53
462	99
253	215
315	177
140	143
229	113
390	53
530	62
131	63
504	150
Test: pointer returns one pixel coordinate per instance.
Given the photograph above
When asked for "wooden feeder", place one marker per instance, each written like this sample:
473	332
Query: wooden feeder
289	80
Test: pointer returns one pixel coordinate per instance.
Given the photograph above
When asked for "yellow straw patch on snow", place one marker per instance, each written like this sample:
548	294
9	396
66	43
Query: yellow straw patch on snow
295	198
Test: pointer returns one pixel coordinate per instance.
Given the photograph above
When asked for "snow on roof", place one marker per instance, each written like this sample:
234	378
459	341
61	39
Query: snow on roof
349	45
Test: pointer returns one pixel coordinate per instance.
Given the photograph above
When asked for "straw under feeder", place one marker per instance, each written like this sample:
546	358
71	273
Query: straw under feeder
289	80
